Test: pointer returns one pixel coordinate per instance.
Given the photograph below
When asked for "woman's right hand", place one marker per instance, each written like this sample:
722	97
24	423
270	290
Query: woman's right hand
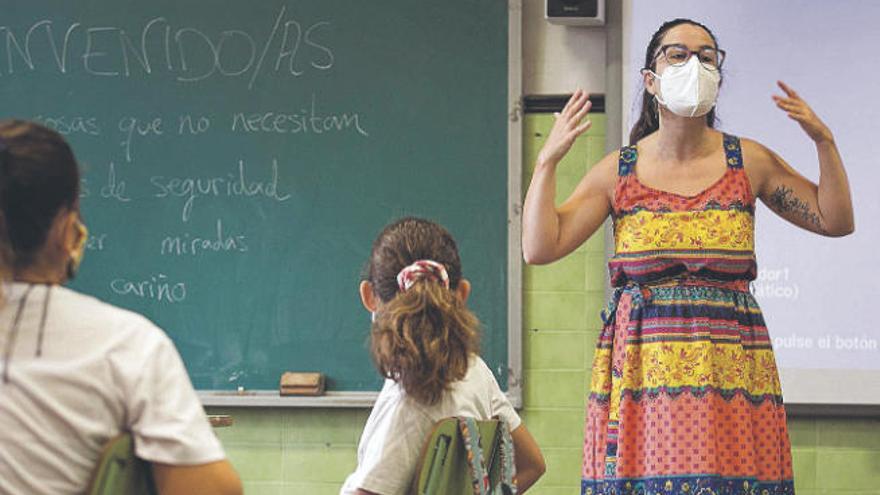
566	129
551	232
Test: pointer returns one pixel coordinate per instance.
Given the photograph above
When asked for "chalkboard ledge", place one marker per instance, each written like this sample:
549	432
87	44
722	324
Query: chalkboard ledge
270	398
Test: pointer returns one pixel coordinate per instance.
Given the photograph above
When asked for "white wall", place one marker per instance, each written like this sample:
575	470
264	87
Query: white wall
560	59
818	294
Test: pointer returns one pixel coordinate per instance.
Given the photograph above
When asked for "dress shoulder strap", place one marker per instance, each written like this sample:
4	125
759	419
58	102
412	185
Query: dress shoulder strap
627	161
733	151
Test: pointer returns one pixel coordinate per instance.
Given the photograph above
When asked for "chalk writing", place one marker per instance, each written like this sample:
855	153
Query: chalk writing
156	287
188	53
84	191
132	127
188	125
188	245
229	185
67	125
306	120
114	189
96	242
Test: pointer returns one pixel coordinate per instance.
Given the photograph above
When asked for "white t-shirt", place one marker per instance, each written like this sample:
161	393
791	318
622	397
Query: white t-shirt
102	370
399	426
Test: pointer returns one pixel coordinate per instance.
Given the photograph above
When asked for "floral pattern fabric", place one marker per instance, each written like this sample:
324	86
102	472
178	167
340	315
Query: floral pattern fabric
685	395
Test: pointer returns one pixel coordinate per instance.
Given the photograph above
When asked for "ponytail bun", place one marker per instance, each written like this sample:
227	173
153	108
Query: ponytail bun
423	335
423	339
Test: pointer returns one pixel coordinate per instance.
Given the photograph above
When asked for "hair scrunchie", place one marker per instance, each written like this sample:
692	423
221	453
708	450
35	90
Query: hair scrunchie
419	270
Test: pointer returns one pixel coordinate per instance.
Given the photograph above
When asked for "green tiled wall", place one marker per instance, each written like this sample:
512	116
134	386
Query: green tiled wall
310	451
561	320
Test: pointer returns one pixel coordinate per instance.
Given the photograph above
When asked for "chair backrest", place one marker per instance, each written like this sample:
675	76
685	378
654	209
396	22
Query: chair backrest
121	472
443	466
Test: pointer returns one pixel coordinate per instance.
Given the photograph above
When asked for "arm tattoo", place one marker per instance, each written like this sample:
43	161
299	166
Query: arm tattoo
784	201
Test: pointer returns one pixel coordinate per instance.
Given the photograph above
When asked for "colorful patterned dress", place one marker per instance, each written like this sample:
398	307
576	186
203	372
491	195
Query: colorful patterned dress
685	395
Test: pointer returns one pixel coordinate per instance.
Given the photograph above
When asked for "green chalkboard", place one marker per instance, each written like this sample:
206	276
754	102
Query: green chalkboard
239	158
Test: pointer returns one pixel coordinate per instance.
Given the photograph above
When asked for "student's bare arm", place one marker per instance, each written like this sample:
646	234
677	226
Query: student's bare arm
529	460
215	478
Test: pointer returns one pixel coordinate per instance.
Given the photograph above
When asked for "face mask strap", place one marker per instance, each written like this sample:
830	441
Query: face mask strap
42	332
656	95
4	154
13	333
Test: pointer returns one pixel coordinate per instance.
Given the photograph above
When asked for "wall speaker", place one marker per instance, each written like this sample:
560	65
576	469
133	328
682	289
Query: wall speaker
575	12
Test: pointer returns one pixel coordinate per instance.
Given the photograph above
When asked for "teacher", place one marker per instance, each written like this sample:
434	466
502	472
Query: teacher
685	394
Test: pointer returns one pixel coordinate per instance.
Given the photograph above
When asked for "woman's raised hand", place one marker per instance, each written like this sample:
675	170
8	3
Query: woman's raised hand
798	110
567	128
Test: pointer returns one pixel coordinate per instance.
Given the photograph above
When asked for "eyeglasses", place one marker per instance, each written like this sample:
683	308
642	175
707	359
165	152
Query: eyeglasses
677	54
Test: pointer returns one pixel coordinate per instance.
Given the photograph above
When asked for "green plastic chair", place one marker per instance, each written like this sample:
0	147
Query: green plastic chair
444	467
121	472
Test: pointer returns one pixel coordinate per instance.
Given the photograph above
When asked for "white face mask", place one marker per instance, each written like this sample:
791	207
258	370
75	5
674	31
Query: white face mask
688	90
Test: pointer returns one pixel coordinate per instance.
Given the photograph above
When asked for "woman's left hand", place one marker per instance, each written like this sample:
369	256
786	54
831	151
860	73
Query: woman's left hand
798	110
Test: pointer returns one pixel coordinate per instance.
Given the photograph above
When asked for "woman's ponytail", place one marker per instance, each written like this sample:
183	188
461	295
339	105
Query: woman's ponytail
423	335
423	339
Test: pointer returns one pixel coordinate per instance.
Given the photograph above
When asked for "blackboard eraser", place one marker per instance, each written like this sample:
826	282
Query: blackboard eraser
298	383
220	420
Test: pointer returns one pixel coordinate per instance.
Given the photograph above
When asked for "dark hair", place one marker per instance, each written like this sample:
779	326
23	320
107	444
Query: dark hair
422	337
38	177
649	119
